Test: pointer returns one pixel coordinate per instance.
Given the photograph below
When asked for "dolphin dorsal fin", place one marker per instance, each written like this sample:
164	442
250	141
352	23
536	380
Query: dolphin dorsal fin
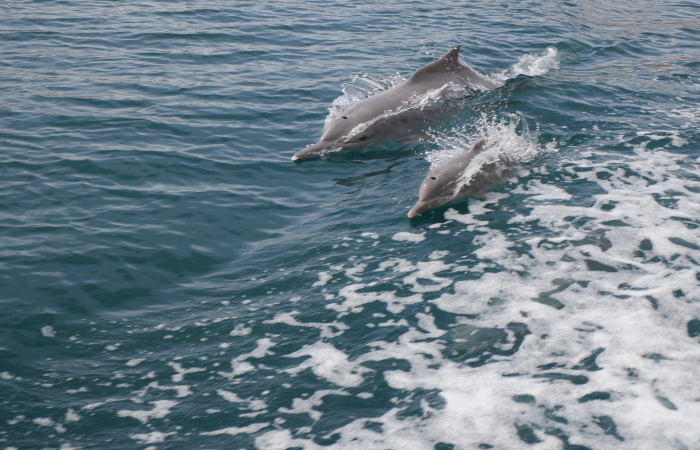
466	158
479	147
449	63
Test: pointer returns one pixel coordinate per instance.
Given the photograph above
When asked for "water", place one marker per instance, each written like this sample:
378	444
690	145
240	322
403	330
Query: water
170	279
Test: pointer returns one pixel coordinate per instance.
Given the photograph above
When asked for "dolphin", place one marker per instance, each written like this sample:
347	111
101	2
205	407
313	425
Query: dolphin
466	174
395	114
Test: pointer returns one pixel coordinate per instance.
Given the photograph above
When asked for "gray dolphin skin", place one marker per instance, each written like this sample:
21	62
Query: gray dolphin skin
461	176
387	116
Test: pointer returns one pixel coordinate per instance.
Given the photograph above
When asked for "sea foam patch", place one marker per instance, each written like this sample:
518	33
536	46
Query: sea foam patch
161	408
569	322
408	237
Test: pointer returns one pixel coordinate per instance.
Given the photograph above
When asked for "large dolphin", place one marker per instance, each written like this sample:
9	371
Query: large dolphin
464	175
394	114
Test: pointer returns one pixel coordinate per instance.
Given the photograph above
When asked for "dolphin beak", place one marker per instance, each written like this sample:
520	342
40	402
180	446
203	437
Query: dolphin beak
317	149
419	208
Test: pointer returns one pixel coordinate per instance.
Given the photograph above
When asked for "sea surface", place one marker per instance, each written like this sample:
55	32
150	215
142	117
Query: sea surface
170	279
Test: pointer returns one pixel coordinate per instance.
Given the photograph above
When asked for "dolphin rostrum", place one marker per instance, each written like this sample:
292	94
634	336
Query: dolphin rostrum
464	175
396	113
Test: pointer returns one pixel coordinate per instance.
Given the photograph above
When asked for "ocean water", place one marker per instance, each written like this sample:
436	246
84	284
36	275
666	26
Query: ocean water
169	279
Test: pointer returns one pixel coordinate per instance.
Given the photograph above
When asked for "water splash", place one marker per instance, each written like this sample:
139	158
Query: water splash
359	88
531	64
509	136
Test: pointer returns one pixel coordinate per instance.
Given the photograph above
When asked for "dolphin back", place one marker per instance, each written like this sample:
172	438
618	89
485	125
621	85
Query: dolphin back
485	173
454	167
395	114
449	69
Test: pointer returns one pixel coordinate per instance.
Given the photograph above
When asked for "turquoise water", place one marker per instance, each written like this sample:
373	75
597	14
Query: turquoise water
170	279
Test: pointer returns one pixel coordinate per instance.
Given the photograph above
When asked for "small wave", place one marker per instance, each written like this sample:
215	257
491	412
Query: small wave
532	65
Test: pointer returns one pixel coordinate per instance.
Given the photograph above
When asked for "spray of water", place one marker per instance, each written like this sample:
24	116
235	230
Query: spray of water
531	64
508	139
360	87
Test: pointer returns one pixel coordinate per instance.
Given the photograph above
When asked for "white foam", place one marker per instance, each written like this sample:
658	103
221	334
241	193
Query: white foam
329	363
439	254
180	390
241	330
230	396
16	420
161	408
48	331
531	64
427	323
181	371
44	421
71	416
281	440
234	431
424	279
92	406
354	271
354	300
408	237
154	437
239	365
306	405
323	278
328	330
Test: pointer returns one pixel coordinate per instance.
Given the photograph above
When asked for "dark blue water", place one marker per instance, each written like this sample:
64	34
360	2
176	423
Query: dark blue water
170	279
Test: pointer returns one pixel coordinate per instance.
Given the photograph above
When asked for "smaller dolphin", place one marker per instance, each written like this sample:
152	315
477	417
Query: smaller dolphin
392	115
464	175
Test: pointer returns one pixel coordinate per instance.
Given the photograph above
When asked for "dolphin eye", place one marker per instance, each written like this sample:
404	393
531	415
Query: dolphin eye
345	117
363	138
433	178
